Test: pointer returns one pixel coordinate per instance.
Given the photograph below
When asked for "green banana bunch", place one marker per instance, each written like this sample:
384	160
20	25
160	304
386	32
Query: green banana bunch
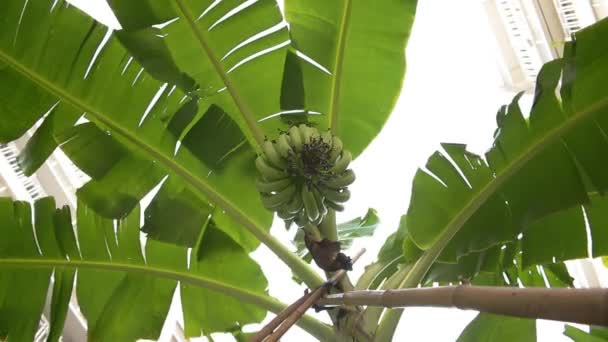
303	174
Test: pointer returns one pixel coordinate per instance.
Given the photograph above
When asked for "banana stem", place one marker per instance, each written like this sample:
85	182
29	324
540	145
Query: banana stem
328	227
329	230
312	231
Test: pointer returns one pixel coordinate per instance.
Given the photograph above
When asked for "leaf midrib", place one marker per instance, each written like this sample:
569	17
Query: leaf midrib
217	65
315	327
338	64
198	280
298	266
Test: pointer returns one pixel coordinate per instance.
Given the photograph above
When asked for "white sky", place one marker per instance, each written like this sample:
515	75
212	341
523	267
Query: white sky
451	93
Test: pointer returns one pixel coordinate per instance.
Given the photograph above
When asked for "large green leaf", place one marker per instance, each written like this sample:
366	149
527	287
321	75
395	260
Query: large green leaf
52	53
206	311
463	203
360	47
123	291
46	138
499	266
218	45
495	328
596	334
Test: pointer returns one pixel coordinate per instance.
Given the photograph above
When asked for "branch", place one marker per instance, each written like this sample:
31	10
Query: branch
289	316
585	306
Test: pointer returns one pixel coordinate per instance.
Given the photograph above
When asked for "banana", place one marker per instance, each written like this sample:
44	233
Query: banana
342	180
327	137
288	185
273	155
336	149
306	133
320	205
300	219
336	195
314	134
342	163
285	215
294	205
272	186
272	202
288	223
296	138
310	204
335	206
283	146
267	171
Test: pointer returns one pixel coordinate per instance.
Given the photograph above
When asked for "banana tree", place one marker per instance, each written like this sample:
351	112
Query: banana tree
233	111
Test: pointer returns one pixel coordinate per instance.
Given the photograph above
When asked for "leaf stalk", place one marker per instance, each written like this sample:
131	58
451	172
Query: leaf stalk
585	306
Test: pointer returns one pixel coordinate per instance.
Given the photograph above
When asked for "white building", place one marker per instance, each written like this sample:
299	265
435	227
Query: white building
530	33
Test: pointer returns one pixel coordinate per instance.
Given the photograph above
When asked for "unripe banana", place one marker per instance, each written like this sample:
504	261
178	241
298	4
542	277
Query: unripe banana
273	155
310	204
295	205
296	138
283	145
336	149
335	206
306	133
342	163
336	195
285	215
314	134
341	180
288	223
267	171
320	205
303	174
300	219
276	200
327	137
272	186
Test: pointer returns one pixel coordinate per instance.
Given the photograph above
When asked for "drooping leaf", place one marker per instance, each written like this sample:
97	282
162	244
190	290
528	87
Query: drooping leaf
45	227
174	207
358	227
292	89
347	231
360	47
203	134
91	149
46	138
494	328
148	48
